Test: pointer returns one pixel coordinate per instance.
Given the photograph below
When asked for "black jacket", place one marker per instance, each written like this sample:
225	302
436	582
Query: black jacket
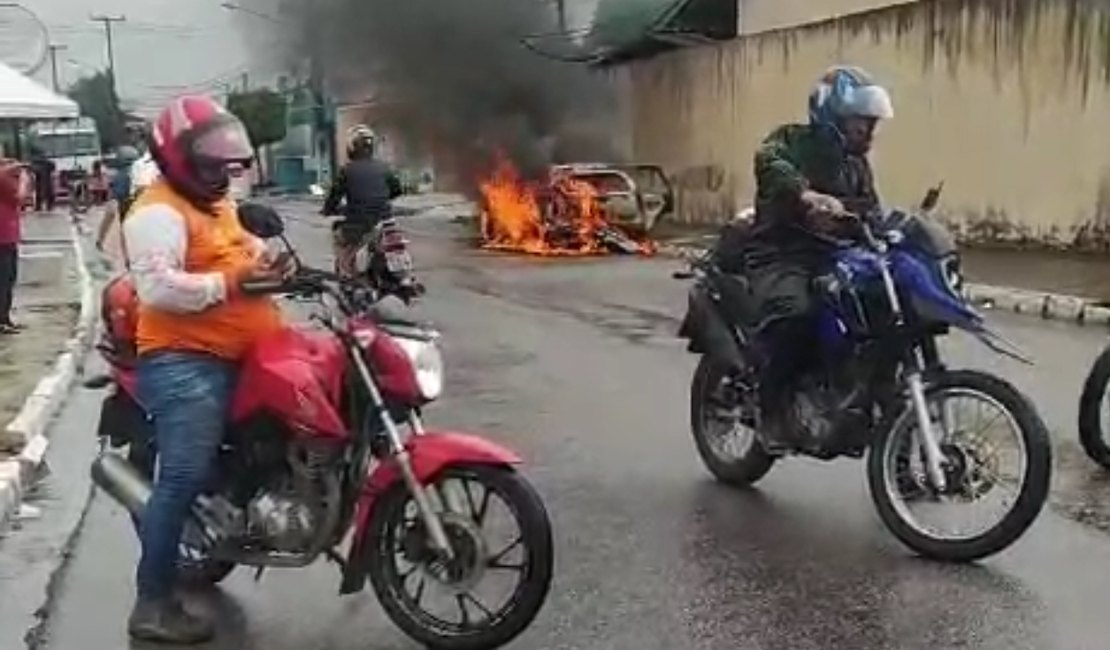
367	186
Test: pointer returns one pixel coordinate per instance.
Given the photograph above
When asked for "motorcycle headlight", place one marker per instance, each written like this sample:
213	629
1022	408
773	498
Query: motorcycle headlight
950	271
427	364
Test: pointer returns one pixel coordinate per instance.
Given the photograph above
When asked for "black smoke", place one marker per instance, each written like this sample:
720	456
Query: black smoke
459	75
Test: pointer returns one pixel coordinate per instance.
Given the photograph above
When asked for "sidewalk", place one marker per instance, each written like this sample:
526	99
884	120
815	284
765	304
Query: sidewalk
47	302
1085	275
56	298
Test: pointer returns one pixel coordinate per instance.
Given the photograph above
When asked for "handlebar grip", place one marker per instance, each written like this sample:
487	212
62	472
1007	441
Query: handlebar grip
263	287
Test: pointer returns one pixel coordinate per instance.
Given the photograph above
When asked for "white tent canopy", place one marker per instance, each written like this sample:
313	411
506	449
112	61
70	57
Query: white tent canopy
23	98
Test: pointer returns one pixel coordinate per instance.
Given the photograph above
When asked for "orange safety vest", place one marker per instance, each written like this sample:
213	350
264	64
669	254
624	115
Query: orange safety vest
216	244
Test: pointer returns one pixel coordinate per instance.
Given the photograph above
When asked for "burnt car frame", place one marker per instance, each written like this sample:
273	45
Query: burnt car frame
634	196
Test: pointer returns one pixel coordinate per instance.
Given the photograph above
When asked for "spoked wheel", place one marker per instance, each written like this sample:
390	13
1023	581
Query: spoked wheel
1094	411
723	420
997	465
498	579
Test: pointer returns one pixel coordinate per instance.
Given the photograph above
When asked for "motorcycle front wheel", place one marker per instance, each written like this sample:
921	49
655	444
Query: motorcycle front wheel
975	470
1092	407
449	604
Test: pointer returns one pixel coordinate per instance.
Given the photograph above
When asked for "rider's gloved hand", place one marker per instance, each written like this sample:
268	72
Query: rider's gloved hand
824	213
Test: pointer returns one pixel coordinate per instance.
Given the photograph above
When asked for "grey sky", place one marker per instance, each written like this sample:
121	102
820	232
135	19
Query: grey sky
165	45
170	46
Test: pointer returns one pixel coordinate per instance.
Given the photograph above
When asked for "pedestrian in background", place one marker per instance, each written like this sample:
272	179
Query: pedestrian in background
44	180
109	238
11	211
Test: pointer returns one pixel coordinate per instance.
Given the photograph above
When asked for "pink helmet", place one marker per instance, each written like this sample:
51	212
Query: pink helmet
194	141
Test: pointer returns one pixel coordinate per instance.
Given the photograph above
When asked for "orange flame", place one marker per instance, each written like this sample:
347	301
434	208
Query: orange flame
562	217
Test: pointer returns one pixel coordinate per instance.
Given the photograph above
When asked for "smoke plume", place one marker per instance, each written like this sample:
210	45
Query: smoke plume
458	74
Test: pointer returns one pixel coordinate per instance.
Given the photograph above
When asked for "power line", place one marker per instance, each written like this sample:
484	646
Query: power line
234	6
211	82
131	29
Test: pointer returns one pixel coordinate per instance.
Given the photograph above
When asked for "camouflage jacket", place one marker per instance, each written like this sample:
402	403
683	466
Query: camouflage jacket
798	157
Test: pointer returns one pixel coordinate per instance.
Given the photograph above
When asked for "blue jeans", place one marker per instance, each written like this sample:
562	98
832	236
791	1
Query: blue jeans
188	393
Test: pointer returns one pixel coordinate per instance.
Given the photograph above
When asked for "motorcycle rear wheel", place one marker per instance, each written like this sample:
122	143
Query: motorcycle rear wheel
535	566
740	469
885	475
1092	405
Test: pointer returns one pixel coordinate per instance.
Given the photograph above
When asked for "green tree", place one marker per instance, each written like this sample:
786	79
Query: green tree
263	113
96	96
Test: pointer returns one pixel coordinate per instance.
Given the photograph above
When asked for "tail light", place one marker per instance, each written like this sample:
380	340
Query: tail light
394	240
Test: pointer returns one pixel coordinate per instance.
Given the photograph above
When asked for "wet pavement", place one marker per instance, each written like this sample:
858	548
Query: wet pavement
574	363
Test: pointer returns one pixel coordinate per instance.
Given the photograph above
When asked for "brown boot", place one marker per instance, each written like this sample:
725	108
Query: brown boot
166	621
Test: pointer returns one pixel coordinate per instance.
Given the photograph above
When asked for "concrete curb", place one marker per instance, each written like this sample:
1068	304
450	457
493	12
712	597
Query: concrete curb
1040	304
28	429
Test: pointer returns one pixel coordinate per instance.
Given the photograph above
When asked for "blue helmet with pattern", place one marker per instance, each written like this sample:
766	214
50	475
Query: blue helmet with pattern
847	91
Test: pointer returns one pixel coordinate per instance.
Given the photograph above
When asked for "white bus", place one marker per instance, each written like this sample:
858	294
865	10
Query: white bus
73	146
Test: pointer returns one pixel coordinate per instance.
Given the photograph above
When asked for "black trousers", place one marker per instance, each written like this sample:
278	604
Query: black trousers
44	195
9	273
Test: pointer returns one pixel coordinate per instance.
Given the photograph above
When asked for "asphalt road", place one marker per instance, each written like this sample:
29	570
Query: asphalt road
574	363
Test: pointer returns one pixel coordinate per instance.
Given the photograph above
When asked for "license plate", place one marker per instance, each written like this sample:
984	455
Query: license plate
398	261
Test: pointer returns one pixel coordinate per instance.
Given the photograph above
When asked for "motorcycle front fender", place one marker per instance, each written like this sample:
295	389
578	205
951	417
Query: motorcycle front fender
429	454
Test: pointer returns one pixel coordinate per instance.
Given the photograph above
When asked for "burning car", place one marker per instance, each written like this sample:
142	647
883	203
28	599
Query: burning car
575	209
635	196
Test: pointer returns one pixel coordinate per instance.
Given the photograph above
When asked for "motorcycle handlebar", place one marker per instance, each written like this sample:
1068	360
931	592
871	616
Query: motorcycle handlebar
308	282
864	229
305	280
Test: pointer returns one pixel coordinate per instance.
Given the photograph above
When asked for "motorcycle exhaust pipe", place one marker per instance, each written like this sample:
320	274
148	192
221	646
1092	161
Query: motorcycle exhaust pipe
122	481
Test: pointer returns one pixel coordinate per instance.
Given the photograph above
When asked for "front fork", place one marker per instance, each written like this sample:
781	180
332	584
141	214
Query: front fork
915	381
927	436
420	494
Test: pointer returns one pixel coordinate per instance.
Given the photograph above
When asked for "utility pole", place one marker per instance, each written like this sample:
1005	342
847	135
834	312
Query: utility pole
54	49
246	81
107	22
561	9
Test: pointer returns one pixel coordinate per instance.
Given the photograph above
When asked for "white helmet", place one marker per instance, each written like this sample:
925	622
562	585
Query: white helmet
848	91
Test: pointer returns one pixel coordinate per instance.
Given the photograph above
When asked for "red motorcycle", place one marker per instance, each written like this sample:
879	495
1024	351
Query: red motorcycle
325	443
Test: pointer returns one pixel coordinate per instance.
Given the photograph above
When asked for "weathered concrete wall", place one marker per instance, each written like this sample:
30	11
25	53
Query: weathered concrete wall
1006	100
766	15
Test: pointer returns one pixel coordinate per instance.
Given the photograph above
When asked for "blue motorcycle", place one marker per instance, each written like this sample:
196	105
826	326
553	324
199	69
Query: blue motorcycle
892	292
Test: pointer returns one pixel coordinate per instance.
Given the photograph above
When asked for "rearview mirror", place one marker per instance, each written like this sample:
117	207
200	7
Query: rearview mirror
932	197
261	220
